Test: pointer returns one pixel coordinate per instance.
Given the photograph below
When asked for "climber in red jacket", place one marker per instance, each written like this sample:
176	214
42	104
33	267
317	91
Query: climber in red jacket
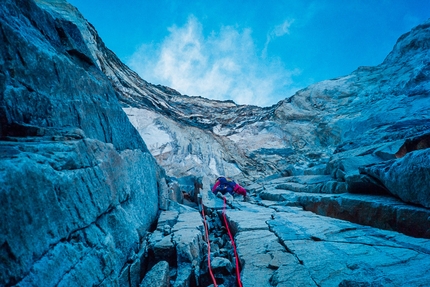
225	185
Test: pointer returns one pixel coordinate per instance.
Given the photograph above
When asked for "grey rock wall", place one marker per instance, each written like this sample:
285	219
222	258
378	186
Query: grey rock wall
406	177
49	79
78	188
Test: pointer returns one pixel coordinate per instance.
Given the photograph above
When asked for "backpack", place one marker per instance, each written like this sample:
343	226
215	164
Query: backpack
225	185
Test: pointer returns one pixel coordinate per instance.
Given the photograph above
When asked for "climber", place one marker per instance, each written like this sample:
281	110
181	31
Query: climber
225	185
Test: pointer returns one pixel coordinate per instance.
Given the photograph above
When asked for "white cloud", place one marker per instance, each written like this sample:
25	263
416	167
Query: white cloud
222	65
277	31
282	29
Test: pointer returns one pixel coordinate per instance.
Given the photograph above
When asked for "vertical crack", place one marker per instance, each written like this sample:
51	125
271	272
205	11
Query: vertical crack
318	285
282	242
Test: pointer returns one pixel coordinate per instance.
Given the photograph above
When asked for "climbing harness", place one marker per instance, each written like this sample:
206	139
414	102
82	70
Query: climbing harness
239	282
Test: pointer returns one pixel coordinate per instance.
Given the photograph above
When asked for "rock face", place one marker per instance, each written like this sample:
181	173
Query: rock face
183	246
78	187
340	148
298	248
377	109
406	177
158	276
338	174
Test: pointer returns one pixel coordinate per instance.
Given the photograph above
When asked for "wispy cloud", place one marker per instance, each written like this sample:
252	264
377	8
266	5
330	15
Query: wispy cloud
282	29
277	31
222	65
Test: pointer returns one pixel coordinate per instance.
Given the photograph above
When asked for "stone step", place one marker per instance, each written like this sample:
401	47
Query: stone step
210	201
299	248
302	179
381	211
305	183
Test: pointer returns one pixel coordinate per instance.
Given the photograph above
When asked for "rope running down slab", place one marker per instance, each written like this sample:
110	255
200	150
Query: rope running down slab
239	282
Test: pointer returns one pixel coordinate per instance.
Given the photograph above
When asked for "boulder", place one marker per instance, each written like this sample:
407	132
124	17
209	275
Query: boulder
221	265
162	248
158	276
344	165
407	177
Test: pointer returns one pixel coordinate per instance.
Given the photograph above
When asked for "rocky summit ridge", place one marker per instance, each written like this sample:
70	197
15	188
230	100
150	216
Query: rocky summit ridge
105	178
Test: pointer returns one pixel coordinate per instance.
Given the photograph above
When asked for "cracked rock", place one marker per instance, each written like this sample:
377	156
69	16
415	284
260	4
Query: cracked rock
158	276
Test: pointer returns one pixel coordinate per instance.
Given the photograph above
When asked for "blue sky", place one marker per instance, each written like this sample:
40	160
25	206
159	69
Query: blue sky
253	52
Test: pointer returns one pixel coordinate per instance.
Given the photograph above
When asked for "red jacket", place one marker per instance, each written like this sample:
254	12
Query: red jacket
237	188
240	190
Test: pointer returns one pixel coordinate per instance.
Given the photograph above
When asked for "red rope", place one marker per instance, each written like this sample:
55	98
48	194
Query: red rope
239	282
209	246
